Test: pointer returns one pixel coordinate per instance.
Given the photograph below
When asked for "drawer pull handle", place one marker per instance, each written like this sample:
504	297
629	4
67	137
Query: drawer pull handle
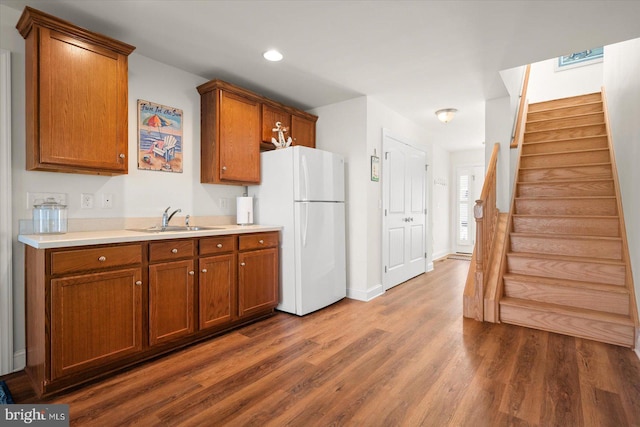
191	273
174	251
204	270
138	282
261	241
102	258
219	245
242	264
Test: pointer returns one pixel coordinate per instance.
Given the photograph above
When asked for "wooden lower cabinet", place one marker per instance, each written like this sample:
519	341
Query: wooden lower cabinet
217	290
257	281
96	318
96	309
171	313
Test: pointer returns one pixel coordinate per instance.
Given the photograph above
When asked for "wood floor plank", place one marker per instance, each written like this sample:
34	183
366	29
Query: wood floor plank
407	358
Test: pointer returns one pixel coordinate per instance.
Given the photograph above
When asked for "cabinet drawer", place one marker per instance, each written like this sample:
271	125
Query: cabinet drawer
216	245
95	259
175	249
258	240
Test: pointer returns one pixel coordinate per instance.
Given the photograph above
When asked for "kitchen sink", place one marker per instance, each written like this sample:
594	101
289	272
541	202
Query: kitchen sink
158	229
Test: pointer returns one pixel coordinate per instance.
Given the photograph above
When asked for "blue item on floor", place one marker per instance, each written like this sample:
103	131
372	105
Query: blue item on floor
5	395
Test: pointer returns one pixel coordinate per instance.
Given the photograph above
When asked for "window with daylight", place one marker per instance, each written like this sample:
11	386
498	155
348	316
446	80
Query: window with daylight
463	209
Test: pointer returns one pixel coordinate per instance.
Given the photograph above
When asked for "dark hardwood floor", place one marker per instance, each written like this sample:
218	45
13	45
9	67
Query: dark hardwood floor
407	358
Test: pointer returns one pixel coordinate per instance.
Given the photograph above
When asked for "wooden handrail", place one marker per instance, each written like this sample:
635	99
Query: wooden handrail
485	213
519	125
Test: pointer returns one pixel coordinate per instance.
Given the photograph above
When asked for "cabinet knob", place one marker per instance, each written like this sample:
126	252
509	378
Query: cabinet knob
261	241
138	282
219	245
242	264
204	270
174	251
224	168
102	258
122	155
191	273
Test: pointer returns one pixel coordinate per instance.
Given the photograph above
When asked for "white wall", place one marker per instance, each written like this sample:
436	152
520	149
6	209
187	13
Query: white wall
498	128
442	213
622	89
137	194
546	83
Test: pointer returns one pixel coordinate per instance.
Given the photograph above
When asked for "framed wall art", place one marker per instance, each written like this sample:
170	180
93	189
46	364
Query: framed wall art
160	142
579	59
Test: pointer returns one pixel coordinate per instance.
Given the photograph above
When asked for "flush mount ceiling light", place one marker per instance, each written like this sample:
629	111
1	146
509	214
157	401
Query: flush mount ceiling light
446	114
272	55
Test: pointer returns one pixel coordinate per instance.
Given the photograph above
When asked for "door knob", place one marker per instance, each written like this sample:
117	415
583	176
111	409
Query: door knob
224	168
219	245
204	270
191	273
102	259
242	264
122	155
174	250
138	282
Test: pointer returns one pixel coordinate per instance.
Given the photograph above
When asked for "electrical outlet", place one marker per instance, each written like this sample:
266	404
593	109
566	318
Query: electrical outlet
107	200
223	202
41	197
86	201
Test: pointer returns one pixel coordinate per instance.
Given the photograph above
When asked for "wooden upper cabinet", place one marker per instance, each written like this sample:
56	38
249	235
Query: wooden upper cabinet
303	131
230	135
270	116
76	97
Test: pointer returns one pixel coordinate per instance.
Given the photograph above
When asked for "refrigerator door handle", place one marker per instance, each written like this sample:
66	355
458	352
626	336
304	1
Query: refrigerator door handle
305	222
305	178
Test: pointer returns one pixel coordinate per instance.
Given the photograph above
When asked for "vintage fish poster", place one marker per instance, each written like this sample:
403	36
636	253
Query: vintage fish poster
160	143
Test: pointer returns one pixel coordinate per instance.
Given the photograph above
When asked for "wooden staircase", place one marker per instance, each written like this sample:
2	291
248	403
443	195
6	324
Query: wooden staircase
566	267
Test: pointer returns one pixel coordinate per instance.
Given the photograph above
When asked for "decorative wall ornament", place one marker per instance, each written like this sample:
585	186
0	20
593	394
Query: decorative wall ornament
281	142
160	143
579	59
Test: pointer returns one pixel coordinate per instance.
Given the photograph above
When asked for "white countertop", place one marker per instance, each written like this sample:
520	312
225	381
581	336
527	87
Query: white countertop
83	238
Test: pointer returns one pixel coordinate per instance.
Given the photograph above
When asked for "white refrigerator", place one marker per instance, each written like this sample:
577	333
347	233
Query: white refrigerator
302	189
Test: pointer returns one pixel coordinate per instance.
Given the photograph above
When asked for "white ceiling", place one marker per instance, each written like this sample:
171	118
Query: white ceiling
413	56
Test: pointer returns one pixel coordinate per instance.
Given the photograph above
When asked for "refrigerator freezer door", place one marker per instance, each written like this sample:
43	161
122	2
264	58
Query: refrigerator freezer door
320	255
318	175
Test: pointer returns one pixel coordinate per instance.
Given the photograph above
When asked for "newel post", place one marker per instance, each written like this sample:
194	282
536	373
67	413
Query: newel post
478	213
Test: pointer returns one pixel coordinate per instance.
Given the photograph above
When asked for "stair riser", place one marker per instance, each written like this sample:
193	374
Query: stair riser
569	133
592	248
565	102
564	189
595	107
570	270
595	207
611	333
565	159
590	299
564	122
598	142
568	173
576	226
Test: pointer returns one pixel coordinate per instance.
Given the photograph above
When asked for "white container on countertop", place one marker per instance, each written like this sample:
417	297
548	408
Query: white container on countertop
244	211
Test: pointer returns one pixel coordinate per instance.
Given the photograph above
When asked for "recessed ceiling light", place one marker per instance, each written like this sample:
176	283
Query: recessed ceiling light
272	55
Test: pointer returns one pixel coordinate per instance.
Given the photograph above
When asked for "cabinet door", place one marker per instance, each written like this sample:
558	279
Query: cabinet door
270	116
217	290
257	281
303	131
83	107
239	145
95	319
171	312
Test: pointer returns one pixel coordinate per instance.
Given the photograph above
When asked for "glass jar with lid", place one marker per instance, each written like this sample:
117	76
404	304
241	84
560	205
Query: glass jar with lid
49	217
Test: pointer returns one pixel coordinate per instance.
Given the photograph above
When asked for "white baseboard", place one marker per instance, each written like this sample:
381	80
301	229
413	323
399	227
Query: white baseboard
430	267
19	360
367	295
441	255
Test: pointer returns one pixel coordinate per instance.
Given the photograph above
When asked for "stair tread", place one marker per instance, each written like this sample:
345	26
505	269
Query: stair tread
567	283
589	150
567	258
548	119
564	128
565	216
577	165
566	236
568	107
562	140
569	311
565	197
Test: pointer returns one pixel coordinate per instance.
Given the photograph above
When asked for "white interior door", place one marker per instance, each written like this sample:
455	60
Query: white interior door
469	183
404	216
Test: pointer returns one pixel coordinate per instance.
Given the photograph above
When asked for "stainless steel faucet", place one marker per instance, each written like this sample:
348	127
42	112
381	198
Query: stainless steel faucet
166	217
